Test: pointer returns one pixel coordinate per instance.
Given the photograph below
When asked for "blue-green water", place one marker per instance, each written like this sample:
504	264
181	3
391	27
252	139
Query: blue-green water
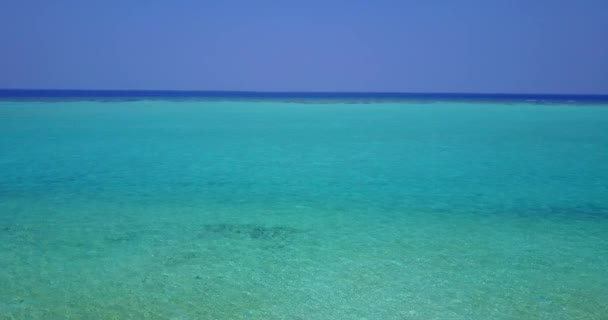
277	210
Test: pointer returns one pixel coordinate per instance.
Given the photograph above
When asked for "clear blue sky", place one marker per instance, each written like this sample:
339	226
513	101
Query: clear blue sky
516	46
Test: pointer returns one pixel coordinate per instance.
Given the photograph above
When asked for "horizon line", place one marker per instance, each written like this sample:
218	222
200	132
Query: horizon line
310	92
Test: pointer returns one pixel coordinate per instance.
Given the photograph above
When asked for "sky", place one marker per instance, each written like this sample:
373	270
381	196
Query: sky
472	46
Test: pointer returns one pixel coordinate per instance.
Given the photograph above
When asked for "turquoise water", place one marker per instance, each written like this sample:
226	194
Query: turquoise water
278	210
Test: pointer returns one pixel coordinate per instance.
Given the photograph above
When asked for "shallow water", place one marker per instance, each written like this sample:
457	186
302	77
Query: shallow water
277	210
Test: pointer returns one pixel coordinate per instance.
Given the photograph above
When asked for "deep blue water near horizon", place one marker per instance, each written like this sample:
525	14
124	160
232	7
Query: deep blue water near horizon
309	208
300	97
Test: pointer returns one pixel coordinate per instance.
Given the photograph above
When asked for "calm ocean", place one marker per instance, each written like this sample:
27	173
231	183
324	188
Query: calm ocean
303	209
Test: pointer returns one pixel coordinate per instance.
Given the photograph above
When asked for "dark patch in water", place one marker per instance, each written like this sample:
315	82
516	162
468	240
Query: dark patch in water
251	231
121	237
582	210
181	258
575	211
274	237
266	237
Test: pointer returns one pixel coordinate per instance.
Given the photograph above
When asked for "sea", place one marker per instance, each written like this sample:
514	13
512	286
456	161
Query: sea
227	205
